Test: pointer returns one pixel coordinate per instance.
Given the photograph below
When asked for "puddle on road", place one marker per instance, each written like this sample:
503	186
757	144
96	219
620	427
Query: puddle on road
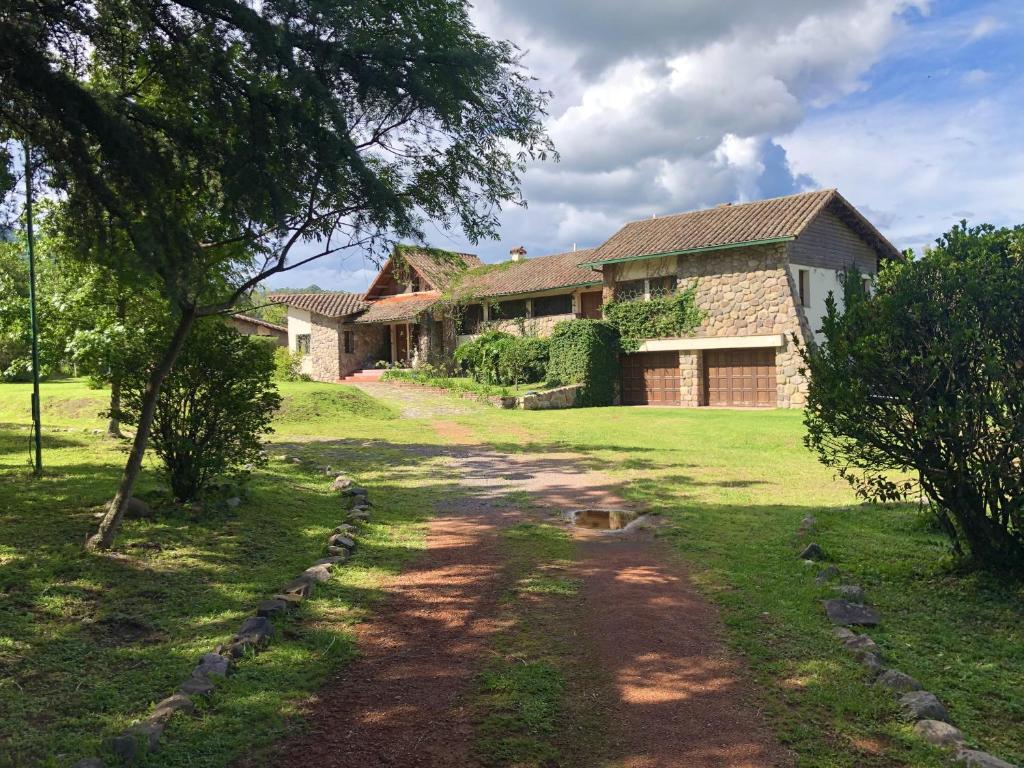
603	519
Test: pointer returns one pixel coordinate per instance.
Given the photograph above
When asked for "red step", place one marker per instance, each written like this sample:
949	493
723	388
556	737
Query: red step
367	374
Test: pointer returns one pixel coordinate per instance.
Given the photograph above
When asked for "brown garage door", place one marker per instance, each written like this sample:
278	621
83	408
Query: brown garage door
650	378
740	377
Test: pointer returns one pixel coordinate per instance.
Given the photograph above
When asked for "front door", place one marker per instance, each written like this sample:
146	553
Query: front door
590	305
402	344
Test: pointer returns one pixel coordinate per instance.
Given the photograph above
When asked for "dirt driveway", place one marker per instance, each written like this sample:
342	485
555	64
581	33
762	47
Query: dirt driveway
676	697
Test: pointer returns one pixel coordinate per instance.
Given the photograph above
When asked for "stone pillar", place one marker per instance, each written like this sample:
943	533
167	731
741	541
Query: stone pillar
608	279
324	348
691	380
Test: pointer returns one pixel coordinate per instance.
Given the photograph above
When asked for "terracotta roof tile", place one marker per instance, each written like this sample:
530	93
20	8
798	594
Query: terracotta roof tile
332	304
543	273
439	270
724	225
259	321
405	306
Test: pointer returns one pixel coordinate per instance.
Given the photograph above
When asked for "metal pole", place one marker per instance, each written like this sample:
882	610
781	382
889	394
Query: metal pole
36	420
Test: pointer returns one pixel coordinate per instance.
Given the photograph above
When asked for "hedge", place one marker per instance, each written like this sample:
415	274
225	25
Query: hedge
501	358
586	352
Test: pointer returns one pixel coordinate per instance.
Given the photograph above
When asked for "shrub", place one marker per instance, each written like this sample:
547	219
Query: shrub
213	408
287	365
586	352
920	388
500	358
658	318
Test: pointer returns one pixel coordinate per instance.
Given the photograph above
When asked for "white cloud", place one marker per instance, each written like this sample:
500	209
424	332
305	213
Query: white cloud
985	26
916	173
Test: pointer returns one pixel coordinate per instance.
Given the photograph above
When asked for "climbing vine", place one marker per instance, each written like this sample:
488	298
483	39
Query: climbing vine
586	352
658	318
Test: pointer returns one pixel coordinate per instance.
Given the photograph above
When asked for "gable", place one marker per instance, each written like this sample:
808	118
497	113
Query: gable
413	269
830	242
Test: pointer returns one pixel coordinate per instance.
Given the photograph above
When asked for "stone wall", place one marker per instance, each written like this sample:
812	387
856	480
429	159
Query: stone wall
550	399
328	359
691	379
527	326
750	292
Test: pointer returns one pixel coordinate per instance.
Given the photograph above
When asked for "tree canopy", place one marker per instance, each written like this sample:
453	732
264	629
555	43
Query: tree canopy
919	388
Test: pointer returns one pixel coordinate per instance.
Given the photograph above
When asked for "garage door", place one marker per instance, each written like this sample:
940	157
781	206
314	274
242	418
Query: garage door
650	378
740	377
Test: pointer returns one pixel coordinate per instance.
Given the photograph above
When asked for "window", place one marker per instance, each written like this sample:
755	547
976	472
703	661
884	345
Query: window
472	316
661	286
553	305
804	277
350	342
628	290
866	282
507	310
302	343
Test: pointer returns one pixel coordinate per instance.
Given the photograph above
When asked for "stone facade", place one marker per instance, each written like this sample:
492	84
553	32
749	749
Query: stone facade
550	399
743	292
328	359
527	326
691	379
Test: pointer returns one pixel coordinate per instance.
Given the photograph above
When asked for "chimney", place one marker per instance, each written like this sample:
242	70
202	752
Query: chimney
518	253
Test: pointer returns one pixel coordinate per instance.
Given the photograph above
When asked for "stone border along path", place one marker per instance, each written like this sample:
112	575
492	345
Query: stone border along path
253	635
930	717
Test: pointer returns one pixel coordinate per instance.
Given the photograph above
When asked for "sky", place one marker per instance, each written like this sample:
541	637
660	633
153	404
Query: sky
911	108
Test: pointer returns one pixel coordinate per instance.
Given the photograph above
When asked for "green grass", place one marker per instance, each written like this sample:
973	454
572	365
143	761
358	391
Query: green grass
463	384
533	686
88	642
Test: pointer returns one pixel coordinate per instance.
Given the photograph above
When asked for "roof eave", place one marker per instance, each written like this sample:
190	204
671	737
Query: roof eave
534	290
687	251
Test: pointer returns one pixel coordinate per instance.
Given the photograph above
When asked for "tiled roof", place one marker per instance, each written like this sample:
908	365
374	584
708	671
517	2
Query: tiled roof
778	218
258	321
334	304
543	273
439	268
405	306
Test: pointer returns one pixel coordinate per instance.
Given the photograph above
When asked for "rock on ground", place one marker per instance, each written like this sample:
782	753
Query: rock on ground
922	705
974	758
938	733
898	681
850	614
813	552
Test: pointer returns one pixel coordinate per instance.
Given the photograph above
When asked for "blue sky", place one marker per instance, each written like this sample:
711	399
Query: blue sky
911	108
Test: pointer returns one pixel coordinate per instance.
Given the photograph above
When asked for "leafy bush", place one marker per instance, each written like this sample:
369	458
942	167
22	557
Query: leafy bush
658	318
586	352
213	408
920	388
500	358
287	365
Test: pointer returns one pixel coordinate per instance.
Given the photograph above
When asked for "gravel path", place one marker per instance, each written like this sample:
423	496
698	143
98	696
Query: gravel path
679	699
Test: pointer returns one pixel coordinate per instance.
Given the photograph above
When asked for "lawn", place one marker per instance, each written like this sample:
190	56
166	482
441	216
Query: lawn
88	642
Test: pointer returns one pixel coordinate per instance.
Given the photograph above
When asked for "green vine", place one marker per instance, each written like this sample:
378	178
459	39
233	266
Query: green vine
586	352
663	317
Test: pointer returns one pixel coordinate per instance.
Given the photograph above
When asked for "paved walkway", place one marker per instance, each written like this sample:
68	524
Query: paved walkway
678	699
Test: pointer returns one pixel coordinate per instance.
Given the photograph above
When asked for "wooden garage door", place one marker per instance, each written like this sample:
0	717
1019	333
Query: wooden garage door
650	378
740	377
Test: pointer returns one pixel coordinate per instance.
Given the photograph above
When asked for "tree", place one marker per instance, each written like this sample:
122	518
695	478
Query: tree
230	142
920	388
213	409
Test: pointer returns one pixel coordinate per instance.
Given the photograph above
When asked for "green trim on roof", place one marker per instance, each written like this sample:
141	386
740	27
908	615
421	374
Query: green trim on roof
538	290
702	249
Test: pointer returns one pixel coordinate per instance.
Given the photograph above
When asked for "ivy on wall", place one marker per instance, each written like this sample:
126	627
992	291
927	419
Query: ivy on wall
586	352
660	317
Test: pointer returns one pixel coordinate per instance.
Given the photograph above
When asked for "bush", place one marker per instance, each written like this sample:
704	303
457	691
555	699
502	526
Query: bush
287	365
500	358
920	388
657	318
214	407
586	352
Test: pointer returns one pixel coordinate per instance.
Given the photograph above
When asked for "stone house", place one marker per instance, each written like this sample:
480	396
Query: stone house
762	269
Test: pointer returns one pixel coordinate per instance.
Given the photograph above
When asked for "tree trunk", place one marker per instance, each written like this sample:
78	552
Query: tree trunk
114	426
104	537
